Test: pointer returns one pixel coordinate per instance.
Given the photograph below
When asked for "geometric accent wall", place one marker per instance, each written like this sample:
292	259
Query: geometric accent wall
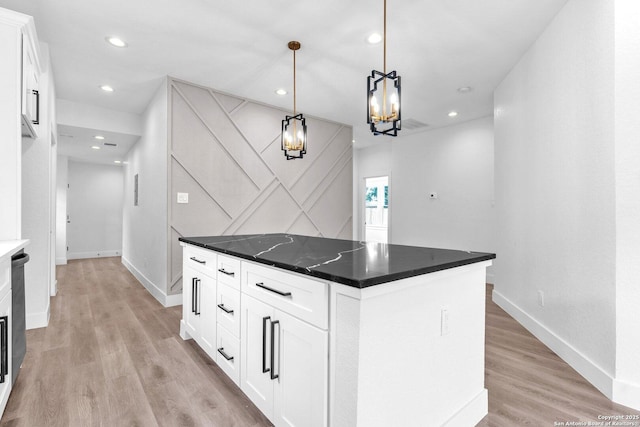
225	152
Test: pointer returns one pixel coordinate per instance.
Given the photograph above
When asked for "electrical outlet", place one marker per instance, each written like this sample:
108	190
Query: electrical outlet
444	321
183	198
540	298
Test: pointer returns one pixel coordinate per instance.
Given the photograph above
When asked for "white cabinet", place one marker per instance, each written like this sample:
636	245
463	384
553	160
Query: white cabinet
30	89
199	299
285	360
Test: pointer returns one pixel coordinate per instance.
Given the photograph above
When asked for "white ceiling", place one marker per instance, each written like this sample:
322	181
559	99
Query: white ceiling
240	47
78	143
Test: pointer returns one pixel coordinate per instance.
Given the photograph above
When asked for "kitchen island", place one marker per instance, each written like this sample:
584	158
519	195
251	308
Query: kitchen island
321	332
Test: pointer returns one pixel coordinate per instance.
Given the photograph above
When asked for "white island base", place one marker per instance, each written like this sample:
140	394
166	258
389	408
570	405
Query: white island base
409	352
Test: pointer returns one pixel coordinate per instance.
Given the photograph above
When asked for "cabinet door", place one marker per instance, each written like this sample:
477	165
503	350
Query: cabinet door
300	394
189	293
256	355
206	311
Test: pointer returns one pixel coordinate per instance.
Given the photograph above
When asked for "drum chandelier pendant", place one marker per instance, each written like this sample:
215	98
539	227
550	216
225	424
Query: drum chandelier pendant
383	95
294	127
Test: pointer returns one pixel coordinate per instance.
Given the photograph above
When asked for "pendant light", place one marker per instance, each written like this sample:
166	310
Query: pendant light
294	127
383	95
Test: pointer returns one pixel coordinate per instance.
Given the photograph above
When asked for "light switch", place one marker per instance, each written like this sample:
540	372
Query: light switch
183	197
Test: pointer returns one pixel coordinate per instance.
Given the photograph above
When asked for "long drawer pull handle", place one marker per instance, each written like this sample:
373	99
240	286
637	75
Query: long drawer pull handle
193	294
275	291
225	355
273	374
228	273
197	260
225	309
264	344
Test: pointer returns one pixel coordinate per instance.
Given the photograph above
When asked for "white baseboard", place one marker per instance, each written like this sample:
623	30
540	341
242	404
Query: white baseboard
626	394
93	254
578	361
37	320
61	261
472	413
164	299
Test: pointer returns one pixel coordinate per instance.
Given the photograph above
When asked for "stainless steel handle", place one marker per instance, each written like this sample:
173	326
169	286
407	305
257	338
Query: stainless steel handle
225	309
275	291
197	260
228	273
225	355
37	120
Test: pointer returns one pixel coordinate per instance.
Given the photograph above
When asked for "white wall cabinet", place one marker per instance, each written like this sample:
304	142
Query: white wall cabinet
30	89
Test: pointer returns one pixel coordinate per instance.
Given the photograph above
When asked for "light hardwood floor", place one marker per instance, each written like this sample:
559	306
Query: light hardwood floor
111	356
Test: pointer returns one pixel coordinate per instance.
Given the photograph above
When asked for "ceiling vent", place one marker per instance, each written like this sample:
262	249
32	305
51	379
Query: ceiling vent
413	125
110	144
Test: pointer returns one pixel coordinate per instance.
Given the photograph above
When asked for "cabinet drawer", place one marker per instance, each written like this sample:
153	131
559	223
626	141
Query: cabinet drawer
304	298
228	308
229	271
202	260
228	354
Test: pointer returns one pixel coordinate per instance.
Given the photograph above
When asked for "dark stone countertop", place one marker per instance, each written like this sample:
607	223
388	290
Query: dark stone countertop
352	263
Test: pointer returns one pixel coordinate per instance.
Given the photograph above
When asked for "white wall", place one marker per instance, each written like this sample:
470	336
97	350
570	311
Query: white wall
144	244
62	180
627	158
456	162
94	206
556	192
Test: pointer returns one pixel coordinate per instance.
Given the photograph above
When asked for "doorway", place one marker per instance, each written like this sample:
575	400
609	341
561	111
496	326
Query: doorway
376	209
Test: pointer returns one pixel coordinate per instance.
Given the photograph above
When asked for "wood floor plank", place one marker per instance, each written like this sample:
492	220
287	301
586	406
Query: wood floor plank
112	356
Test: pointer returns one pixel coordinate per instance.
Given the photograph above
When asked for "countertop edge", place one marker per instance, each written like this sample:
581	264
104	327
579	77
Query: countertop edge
359	284
10	247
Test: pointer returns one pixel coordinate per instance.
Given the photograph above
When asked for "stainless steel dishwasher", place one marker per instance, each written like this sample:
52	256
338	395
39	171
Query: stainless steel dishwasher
18	327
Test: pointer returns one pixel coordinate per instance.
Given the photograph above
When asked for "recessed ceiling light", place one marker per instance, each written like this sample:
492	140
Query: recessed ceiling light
117	161
95	147
453	113
281	92
106	88
99	137
465	89
374	38
116	41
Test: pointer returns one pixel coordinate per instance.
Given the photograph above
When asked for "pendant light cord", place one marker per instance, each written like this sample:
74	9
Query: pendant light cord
294	82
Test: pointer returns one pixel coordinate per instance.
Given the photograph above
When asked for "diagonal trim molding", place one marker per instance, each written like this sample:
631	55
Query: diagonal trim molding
281	201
